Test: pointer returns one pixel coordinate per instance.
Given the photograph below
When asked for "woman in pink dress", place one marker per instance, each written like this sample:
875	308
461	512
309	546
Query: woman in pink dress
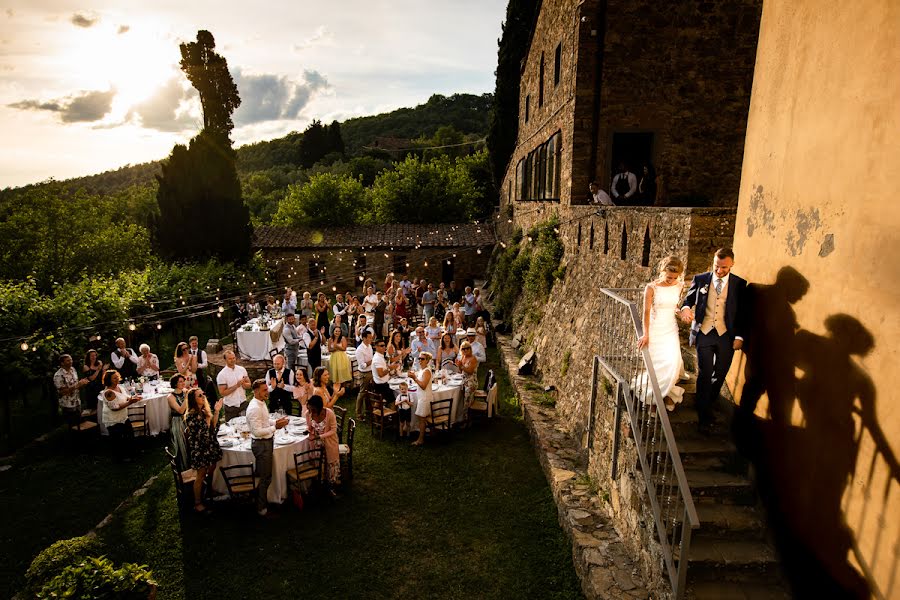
322	426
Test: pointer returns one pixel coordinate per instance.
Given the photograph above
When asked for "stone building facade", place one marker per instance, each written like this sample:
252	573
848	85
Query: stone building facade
339	259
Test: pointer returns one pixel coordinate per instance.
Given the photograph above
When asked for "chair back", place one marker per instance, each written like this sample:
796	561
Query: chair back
340	414
137	415
351	432
240	481
492	400
309	465
270	362
440	414
489	380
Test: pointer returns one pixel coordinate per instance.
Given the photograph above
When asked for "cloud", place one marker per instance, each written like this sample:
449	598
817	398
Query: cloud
78	108
321	34
81	19
123	29
169	109
270	97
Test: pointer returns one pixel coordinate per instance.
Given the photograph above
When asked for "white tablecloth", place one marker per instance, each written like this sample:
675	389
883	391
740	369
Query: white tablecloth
256	344
158	417
452	390
241	454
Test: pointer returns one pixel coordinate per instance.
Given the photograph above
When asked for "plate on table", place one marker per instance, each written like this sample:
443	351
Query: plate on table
226	443
224	430
297	420
284	440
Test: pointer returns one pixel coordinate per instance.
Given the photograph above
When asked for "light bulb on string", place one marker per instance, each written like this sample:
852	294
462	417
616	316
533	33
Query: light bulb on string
24	346
478	251
159	325
132	327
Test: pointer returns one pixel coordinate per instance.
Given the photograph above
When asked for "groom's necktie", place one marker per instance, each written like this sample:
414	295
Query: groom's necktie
718	285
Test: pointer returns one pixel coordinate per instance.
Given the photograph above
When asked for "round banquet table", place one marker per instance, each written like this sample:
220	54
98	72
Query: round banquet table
452	389
287	443
256	344
154	398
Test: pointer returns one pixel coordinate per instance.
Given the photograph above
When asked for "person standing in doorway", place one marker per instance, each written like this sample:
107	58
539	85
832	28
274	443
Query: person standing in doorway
624	186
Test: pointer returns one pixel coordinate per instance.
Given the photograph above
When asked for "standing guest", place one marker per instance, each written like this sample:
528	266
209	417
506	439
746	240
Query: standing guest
314	339
262	442
422	377
280	382
368	283
252	307
469	307
421	344
381	373
468	366
388	281
427	301
186	364
124	360
352	312
362	327
440	305
401	305
232	381
321	379
203	446
450	323
419	292
291	340
370	301
624	186
342	371
598	196
238	311
289	302
272	307
67	385
453	294
148	364
115	412
306	305
380	306
447	354
364	356
433	332
177	408
481	332
403	328
321	309
93	372
396	351
647	186
478	350
339	325
479	306
201	360
716	307
340	307
404	409
406	285
322	426
458	315
303	389
388	313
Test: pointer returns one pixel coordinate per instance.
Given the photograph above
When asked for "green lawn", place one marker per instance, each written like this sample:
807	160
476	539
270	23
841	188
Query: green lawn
470	517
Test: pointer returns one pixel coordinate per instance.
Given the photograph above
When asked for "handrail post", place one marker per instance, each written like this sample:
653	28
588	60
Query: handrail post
617	433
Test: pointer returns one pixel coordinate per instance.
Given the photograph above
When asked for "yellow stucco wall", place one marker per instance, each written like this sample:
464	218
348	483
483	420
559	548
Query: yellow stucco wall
819	193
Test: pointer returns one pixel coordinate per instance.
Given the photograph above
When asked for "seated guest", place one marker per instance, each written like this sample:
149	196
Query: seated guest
322	426
280	381
321	379
124	360
203	445
252	307
447	354
421	344
303	389
115	412
148	364
67	385
289	302
178	406
272	307
477	349
262	443
381	373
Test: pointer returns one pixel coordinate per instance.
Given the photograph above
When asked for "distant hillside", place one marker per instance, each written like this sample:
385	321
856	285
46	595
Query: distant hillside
467	113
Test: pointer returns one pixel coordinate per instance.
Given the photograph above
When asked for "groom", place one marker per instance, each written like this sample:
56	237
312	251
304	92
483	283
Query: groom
715	306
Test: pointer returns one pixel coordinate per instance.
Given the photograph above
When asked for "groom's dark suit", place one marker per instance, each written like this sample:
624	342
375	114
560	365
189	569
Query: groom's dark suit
715	348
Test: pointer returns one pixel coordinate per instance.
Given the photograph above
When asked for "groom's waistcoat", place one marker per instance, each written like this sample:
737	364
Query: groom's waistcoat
715	310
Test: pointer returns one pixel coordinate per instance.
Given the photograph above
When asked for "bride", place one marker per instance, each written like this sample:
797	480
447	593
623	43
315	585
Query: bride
661	300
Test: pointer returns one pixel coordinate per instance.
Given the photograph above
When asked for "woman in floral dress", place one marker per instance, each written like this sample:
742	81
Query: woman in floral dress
203	446
322	425
468	366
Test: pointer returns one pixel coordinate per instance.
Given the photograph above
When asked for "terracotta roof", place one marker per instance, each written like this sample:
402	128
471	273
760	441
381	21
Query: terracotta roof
397	235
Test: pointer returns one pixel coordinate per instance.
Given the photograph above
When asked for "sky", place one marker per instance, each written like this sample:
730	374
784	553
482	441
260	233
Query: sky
90	86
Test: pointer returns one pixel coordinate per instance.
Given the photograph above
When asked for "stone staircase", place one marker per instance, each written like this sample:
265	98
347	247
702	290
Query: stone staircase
730	555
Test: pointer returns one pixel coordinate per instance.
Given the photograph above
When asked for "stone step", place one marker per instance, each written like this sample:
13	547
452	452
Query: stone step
716	559
693	446
731	521
708	486
727	590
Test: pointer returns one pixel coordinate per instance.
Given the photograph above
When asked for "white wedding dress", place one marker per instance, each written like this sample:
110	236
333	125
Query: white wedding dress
665	346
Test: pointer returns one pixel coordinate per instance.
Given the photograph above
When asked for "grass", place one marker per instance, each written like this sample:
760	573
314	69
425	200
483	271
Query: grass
469	517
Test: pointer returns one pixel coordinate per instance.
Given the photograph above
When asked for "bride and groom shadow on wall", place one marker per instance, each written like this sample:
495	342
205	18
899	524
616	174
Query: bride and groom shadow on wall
808	473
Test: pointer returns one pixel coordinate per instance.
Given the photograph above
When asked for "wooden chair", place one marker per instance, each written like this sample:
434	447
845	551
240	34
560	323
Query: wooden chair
137	416
440	418
380	416
85	427
240	481
308	471
340	414
270	362
484	406
184	482
296	408
489	380
346	452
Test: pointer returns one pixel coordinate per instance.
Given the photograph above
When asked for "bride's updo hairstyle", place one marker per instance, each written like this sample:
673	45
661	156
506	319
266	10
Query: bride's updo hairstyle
671	264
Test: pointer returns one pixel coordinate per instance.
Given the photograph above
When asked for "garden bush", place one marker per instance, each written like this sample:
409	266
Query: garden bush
97	578
56	557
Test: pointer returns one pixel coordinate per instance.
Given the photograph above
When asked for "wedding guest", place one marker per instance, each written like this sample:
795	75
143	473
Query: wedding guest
453	294
93	372
447	354
322	425
338	324
124	360
388	281
272	307
381	373
458	315
479	306
469	307
388	314
67	385
321	379
280	382
380	306
313	340
321	309
364	356
646	191
339	364
352	312
422	377
361	327
203	445
340	307
406	286
238	312
427	302
401	305
418	292
478	350
262	442
421	344
433	332
370	301
291	338
148	364
598	196
396	351
186	364
303	389
306	305
404	409
252	307
468	366
289	302
115	412
178	406
623	186
481	332
232	381
440	305
450	323
201	360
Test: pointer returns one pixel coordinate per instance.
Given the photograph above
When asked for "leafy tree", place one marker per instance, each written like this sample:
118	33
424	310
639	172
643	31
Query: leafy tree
479	168
208	73
335	140
327	200
314	144
504	123
438	191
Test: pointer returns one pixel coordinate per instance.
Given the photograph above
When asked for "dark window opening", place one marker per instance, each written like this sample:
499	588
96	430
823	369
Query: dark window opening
447	271
623	249
360	267
635	151
399	265
541	83
591	238
538	174
605	238
579	235
645	255
312	271
527	107
557	64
